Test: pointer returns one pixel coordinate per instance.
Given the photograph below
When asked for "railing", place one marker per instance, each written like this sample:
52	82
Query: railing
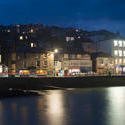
5	74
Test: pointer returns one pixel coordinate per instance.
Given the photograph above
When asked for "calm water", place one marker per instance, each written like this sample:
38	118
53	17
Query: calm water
99	106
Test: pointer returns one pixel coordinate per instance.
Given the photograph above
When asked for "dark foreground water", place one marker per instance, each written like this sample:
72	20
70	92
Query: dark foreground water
98	106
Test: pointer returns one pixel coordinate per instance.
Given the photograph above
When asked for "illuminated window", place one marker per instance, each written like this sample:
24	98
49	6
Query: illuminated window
123	53
72	38
77	30
8	31
120	60
26	37
120	52
32	45
31	31
18	25
116	61
120	43
116	52
115	43
21	37
123	43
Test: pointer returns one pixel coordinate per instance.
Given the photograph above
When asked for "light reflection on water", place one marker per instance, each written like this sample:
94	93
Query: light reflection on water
116	106
99	106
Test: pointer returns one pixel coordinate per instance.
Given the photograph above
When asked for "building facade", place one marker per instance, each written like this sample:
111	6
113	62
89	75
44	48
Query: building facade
116	49
105	65
35	62
76	63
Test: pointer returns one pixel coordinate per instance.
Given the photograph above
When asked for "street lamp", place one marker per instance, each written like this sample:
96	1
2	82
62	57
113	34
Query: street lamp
56	51
49	57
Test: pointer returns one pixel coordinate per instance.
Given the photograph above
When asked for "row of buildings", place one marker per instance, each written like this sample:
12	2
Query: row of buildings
30	49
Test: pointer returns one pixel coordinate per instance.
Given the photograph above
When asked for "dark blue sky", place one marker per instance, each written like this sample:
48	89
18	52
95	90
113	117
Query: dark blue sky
85	14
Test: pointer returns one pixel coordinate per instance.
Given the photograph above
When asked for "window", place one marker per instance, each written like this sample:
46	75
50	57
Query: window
123	69
66	56
31	31
115	43
79	56
123	43
26	37
123	53
38	63
116	52
116	61
8	31
120	52
32	45
120	43
21	37
101	61
120	60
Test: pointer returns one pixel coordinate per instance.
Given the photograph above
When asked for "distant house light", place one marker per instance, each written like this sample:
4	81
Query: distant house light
18	25
21	37
77	30
32	45
8	31
26	37
31	31
69	39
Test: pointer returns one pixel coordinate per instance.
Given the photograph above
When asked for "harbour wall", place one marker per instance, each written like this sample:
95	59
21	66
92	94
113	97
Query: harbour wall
61	82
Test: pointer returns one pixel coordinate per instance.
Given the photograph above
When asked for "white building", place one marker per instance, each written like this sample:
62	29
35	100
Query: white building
116	49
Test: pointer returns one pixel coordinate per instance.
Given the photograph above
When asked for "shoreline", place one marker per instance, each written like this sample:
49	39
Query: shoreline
63	82
10	87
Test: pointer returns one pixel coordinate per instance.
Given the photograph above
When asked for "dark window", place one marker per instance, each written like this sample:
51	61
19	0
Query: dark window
38	63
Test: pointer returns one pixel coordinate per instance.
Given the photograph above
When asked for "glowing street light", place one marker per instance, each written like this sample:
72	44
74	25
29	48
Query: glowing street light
56	50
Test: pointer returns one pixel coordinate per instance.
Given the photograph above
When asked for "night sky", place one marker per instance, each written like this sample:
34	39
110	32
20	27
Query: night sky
85	14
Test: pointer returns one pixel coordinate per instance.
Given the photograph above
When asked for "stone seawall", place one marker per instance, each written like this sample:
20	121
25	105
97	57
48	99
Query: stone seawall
63	82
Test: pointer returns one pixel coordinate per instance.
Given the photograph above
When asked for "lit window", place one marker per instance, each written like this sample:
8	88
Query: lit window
72	38
21	37
18	25
120	60
26	37
120	43
123	53
32	45
77	30
116	61
120	52
115	43
116	52
123	43
31	30
8	31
